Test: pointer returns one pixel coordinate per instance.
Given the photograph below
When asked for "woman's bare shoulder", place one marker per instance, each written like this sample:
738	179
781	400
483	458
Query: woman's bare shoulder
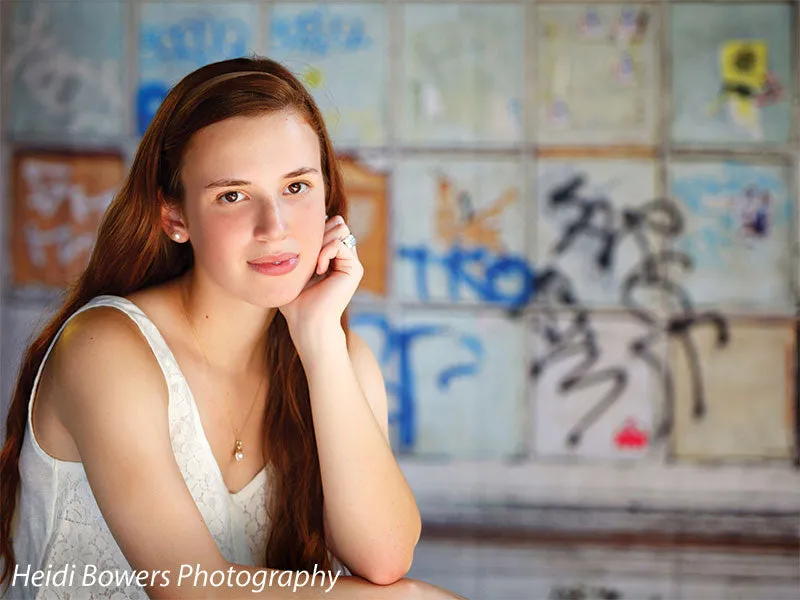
99	328
161	304
156	298
100	350
98	344
106	336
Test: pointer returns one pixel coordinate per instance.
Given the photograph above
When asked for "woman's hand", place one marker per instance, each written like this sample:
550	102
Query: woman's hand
318	309
412	589
355	588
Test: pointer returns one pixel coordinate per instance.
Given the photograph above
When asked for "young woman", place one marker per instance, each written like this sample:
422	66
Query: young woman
199	393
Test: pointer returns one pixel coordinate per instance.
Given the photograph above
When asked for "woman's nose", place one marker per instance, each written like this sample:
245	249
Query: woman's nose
271	222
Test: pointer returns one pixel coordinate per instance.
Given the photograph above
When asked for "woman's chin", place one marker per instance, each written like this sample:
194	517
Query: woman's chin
280	293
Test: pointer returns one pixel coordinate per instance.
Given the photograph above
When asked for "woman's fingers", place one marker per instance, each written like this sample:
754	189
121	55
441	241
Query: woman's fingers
334	221
337	232
326	255
332	250
346	258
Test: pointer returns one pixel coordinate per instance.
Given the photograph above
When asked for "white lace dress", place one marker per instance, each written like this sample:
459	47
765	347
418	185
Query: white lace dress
58	521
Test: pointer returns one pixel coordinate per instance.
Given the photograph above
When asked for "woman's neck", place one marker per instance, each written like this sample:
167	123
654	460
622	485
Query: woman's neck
230	332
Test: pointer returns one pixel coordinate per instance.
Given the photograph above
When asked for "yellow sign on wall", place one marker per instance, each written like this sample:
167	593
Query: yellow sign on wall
744	65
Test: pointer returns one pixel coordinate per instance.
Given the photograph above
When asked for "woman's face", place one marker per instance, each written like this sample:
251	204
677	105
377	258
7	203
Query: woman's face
254	192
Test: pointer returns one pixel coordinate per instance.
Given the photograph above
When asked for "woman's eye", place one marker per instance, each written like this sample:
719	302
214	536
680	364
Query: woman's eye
296	187
230	197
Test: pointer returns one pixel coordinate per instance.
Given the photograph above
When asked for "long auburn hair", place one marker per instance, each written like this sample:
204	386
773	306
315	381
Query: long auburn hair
132	252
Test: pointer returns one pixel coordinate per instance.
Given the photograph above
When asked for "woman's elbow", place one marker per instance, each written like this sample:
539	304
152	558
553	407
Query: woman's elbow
390	569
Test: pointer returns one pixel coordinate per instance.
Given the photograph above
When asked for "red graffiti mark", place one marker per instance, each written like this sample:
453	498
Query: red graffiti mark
772	92
630	437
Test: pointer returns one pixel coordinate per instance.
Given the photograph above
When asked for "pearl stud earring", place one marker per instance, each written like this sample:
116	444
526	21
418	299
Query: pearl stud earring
176	235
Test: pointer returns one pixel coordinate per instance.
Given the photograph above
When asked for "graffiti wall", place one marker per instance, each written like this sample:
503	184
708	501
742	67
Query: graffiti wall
578	221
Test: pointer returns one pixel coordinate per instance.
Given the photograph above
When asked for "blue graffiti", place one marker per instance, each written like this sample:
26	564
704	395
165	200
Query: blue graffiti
398	344
148	99
722	203
475	346
197	40
318	32
191	42
515	110
498	279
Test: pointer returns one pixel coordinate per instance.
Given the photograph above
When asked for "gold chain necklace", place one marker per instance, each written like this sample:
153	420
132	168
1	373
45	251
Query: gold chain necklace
238	448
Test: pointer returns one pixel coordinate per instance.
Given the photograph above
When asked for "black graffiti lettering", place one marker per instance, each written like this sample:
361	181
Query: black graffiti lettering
652	226
578	339
567	593
586	224
582	592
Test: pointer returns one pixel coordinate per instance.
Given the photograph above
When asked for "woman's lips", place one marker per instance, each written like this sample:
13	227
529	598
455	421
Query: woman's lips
279	265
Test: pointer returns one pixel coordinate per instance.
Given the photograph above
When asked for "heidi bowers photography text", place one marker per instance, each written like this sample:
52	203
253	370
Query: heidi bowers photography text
70	576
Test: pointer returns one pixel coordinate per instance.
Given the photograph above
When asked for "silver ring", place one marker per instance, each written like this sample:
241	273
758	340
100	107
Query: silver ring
349	241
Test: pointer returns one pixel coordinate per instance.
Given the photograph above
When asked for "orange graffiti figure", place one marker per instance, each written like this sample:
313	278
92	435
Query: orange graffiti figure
458	221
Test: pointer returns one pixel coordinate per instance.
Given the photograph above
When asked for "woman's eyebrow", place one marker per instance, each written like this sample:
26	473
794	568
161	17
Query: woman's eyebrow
300	171
227	183
237	182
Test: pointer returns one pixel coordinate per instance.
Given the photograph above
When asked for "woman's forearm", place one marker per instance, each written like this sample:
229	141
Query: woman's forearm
344	588
371	514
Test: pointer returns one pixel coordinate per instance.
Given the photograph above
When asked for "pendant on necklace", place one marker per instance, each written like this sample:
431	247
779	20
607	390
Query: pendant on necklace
237	451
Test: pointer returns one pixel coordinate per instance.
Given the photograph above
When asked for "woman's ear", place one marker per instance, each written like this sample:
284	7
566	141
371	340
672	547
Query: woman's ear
172	220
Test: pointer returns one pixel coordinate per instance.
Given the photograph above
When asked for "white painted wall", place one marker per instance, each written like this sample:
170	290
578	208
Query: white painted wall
568	494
